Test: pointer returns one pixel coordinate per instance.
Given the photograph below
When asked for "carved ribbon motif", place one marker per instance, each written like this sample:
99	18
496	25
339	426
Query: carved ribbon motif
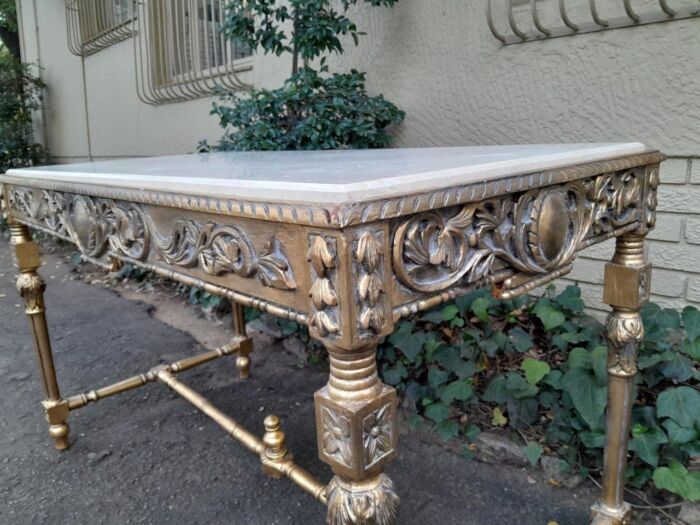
534	232
220	249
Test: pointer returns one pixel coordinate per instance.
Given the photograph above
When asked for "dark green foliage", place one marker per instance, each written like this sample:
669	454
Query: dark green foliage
538	366
309	112
20	94
314	109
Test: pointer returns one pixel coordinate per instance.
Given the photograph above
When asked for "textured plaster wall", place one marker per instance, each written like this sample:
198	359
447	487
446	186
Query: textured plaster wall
437	60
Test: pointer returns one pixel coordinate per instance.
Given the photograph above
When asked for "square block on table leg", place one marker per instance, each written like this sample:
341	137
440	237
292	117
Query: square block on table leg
627	286
357	438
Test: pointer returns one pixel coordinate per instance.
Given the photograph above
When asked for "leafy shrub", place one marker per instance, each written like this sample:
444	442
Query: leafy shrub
20	94
314	109
537	366
311	111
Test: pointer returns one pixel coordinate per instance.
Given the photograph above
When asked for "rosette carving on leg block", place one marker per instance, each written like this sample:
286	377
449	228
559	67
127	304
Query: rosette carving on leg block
369	502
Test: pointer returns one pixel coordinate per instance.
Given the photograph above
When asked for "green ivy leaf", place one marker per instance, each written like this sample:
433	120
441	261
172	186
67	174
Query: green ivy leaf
459	390
471	432
437	377
533	453
593	439
520	339
645	442
691	323
589	399
449	312
534	370
570	299
480	307
551	317
394	375
496	391
451	360
682	404
676	478
679	435
408	342
447	430
498	419
438	412
679	368
691	349
553	379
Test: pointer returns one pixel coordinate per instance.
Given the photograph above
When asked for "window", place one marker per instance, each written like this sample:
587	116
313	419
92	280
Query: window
181	52
529	20
95	24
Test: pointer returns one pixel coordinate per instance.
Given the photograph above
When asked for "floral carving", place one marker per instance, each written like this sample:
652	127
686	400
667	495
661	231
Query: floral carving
218	249
533	232
324	300
370	286
93	224
336	436
376	502
376	435
97	225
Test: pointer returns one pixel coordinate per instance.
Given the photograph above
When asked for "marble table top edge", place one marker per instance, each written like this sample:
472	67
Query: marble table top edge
456	166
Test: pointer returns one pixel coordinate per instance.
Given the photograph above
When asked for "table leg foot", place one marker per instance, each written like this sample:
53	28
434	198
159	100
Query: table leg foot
369	502
602	515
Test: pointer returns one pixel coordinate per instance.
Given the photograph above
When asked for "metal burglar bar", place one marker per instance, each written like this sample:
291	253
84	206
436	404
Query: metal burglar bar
181	53
96	24
529	20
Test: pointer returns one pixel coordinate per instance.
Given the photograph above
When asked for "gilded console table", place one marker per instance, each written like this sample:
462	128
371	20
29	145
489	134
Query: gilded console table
349	242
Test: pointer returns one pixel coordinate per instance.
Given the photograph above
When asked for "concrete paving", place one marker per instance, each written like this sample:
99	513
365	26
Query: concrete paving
147	456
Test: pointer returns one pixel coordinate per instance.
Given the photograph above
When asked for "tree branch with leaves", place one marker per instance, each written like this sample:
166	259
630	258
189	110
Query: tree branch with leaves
314	109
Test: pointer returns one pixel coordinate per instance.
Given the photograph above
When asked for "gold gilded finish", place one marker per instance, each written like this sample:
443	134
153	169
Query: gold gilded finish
246	343
31	288
350	272
626	290
534	233
272	452
373	501
80	400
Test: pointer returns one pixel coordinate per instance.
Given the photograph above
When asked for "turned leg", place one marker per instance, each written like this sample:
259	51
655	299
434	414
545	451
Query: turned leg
627	282
357	437
243	358
31	287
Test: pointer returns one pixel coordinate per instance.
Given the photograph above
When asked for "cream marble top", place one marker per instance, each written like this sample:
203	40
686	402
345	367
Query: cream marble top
323	177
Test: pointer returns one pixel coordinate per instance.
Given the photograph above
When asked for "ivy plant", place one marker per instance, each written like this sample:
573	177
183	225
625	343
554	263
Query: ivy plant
536	367
314	109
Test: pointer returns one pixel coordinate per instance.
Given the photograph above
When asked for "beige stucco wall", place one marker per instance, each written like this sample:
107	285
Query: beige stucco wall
437	60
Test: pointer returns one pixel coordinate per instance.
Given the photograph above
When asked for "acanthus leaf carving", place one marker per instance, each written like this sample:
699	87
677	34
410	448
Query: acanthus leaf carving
368	272
222	249
324	299
533	232
97	224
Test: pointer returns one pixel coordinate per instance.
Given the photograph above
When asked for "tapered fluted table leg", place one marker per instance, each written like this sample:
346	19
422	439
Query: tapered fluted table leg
627	281
31	287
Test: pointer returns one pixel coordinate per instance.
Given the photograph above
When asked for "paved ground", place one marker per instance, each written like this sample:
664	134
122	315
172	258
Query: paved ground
149	457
